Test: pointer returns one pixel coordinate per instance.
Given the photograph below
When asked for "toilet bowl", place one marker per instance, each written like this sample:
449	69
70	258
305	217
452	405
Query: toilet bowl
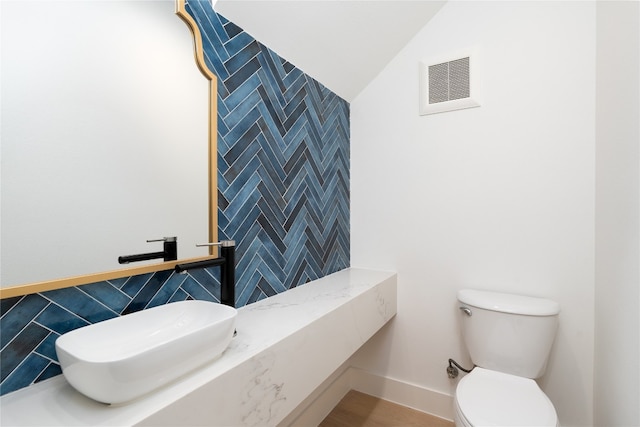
491	398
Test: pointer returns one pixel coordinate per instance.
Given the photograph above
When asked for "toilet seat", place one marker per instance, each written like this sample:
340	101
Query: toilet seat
490	398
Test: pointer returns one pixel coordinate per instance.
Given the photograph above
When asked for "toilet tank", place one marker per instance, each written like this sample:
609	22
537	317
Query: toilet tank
508	333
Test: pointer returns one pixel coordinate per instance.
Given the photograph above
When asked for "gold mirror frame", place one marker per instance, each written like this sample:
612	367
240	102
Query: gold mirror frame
50	285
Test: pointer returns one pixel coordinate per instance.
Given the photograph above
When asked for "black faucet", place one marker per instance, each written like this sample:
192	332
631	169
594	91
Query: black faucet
227	263
169	252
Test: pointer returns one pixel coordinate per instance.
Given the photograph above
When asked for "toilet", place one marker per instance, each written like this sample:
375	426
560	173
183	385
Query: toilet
509	338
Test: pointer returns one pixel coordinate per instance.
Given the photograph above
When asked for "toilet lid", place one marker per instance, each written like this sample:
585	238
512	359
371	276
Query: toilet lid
490	398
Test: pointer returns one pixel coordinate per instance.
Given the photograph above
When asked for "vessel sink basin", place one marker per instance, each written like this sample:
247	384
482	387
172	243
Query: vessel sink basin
120	359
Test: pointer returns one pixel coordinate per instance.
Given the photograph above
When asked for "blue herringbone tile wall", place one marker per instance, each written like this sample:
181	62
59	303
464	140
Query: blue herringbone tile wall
283	176
283	163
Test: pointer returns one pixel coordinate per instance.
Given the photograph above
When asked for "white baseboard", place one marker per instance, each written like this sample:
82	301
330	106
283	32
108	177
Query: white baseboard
410	395
317	406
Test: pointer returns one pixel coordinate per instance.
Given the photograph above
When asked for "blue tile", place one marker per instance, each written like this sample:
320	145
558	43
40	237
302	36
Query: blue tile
241	195
207	277
147	292
255	296
272	234
236	100
235	44
231	29
272	159
287	66
60	320
52	370
167	291
266	288
25	374
272	214
20	348
299	277
179	295
48	347
240	124
118	283
19	316
197	291
107	294
238	60
272	109
135	283
79	303
245	211
7	303
242	74
242	155
297	99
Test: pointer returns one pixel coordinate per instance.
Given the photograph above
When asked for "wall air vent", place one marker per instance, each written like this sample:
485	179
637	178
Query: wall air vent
450	84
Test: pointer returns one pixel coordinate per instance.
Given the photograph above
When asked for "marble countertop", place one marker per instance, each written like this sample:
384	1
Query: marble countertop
346	308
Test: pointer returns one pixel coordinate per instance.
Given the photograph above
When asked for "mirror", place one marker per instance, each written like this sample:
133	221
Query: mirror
106	140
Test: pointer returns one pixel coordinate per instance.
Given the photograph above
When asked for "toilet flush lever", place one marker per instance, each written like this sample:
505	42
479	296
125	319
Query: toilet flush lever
466	310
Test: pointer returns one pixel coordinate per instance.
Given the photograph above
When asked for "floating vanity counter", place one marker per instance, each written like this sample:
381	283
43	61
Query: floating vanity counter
286	346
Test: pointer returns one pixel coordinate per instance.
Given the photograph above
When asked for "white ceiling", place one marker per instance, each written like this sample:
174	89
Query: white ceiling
343	44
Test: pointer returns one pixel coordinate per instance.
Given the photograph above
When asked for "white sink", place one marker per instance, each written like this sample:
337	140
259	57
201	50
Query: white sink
123	358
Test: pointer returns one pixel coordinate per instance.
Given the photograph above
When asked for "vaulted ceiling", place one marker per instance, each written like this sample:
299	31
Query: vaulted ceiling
343	44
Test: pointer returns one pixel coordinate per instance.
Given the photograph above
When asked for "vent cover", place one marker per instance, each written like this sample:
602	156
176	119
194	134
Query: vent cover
449	85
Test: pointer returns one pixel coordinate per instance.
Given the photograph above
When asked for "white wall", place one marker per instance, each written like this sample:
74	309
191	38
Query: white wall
617	279
498	197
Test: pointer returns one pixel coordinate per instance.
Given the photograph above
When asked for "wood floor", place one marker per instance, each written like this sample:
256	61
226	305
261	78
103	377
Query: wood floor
361	410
